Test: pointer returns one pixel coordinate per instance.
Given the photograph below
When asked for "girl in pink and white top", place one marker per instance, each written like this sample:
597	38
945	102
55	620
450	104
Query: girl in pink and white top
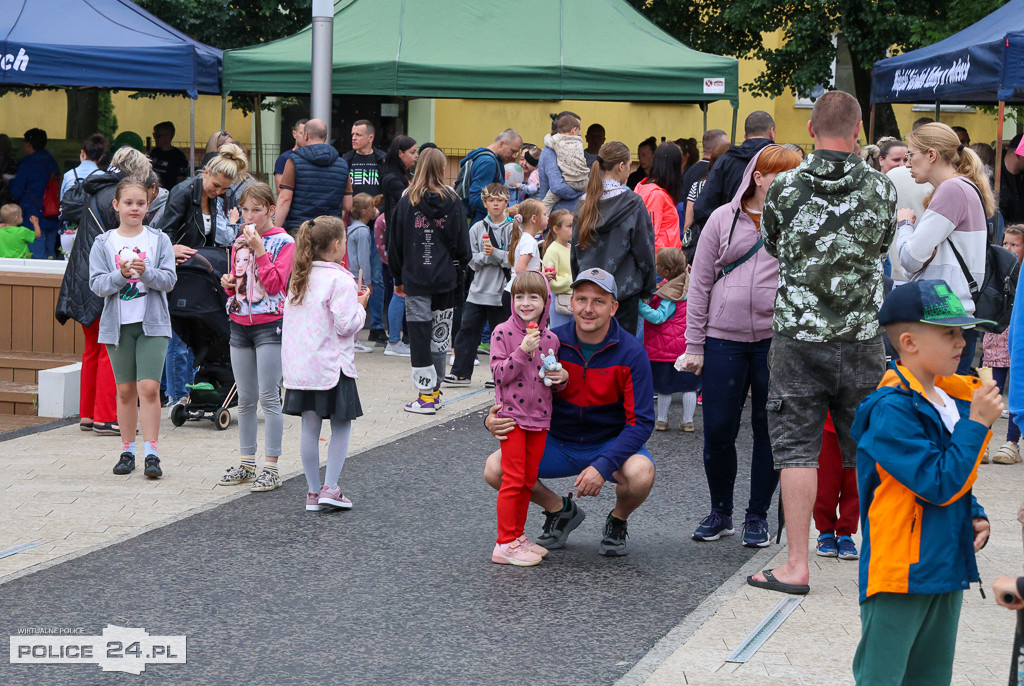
257	285
322	315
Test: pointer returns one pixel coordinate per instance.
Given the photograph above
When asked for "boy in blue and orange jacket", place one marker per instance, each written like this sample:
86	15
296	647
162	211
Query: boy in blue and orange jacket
920	438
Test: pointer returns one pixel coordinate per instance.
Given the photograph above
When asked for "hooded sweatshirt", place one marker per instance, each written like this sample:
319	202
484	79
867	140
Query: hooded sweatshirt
426	240
265	278
914	477
663	213
830	222
518	387
622	244
725	177
737	306
490	272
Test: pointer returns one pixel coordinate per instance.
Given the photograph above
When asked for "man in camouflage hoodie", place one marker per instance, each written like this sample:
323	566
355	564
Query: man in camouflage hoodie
829	222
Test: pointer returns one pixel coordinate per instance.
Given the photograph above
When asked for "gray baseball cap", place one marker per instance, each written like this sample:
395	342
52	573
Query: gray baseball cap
598	277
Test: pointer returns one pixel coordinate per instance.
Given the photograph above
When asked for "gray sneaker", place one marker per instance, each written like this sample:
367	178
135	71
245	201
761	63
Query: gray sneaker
266	481
398	349
558	525
236	475
613	544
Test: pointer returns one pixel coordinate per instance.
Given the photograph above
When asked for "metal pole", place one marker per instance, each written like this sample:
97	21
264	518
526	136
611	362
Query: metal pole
704	110
258	119
223	111
322	62
871	125
938	109
735	116
999	146
191	137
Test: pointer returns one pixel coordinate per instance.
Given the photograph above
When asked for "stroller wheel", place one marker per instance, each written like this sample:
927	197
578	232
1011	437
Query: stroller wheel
178	415
223	419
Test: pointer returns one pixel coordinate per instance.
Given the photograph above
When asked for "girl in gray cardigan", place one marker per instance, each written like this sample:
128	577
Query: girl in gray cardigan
132	269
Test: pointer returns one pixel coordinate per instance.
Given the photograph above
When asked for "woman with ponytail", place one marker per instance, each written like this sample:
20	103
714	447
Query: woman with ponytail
613	231
954	222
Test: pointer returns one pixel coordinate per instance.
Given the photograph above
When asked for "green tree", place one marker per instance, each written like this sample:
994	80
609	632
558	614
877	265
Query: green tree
228	24
804	60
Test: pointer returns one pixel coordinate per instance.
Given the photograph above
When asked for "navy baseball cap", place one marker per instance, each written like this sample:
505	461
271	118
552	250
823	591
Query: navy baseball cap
930	301
598	277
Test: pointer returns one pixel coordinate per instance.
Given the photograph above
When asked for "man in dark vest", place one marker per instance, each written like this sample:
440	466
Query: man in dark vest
313	182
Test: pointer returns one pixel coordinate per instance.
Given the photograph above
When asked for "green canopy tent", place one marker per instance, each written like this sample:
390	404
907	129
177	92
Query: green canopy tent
573	49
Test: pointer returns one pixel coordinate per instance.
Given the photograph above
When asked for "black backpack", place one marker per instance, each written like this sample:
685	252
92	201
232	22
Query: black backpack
993	299
72	205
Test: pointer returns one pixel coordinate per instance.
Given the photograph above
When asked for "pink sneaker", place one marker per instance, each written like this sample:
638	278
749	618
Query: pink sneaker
514	553
533	547
332	497
312	502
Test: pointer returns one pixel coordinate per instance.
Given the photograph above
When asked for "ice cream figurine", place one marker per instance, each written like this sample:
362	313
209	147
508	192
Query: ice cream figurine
486	239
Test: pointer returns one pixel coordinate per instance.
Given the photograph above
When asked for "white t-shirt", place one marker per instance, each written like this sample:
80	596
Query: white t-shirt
133	293
950	415
527	245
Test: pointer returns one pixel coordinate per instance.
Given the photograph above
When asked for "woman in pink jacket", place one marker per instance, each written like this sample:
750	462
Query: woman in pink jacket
660	193
728	334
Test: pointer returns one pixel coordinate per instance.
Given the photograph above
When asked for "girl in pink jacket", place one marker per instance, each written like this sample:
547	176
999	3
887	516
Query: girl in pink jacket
519	347
322	315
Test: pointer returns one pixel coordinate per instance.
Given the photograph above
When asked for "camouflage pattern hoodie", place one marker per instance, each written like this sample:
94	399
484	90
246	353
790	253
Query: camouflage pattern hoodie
829	222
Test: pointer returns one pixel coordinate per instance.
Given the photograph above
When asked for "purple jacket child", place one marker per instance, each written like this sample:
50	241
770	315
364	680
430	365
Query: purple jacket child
518	387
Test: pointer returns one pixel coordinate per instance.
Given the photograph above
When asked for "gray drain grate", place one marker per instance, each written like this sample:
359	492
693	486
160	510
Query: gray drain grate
765	629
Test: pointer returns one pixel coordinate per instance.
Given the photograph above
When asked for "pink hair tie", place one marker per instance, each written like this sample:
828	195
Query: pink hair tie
518	218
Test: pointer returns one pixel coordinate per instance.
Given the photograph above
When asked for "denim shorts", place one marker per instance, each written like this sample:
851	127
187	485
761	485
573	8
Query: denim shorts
254	335
569	459
809	380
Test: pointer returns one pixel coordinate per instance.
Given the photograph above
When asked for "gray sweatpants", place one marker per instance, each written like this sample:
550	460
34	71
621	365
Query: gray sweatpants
258	376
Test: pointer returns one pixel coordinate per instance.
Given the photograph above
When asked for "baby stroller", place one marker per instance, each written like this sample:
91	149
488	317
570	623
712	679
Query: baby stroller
198	315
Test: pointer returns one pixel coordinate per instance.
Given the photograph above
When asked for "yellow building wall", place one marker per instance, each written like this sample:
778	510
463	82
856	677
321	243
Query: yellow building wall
462	125
48	110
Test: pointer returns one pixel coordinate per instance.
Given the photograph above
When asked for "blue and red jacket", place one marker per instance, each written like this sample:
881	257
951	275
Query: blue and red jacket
915	478
609	398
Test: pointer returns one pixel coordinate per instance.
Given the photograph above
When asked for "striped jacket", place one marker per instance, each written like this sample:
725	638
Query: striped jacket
608	398
915	478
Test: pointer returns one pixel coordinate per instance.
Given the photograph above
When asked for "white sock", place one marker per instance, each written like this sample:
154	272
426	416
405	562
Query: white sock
664	400
689	406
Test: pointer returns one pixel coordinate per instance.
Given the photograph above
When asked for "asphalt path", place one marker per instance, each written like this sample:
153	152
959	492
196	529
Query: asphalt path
399	590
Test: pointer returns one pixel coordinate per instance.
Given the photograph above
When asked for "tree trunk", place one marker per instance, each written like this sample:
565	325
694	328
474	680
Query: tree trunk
885	119
83	113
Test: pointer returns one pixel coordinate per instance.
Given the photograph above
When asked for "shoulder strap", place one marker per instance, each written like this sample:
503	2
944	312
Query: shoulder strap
972	284
746	256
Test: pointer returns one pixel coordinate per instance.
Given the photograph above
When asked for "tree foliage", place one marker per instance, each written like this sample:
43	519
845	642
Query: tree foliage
803	61
229	24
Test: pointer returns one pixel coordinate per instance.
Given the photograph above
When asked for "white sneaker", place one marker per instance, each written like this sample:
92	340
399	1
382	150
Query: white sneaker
360	348
398	349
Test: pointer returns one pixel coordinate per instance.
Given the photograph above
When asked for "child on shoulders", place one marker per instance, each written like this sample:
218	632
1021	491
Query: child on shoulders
920	438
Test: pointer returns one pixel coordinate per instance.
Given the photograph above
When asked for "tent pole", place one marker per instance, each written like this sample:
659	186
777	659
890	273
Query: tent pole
871	125
191	137
938	109
322	62
258	155
999	146
704	110
735	116
223	112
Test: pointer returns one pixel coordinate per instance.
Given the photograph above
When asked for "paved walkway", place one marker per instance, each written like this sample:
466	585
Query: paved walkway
816	643
56	491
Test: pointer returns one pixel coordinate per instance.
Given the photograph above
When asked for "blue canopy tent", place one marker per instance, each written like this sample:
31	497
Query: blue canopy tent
103	44
983	64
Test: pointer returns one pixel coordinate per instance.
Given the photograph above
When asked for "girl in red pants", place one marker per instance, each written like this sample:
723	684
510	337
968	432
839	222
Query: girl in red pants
836	487
519	347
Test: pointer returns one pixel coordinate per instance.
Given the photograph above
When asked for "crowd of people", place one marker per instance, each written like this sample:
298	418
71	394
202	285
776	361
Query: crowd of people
753	275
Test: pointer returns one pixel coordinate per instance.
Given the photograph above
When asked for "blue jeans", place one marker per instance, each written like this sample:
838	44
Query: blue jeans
376	304
178	368
730	368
